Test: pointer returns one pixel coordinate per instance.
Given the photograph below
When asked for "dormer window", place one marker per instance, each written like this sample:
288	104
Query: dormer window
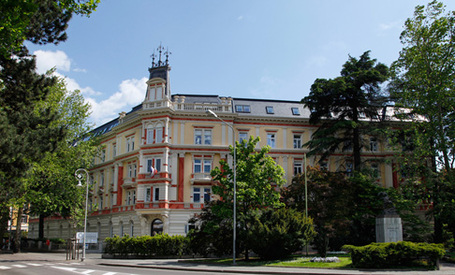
295	111
242	108
269	109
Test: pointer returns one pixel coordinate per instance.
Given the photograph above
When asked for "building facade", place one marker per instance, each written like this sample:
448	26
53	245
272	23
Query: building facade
153	173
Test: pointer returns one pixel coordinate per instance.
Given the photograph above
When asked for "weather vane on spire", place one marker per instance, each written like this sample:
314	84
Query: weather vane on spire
160	50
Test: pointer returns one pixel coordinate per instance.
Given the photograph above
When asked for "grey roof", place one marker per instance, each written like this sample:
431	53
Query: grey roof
281	108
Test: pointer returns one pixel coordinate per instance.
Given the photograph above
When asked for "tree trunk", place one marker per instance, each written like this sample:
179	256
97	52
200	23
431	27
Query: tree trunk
356	149
17	241
4	217
41	227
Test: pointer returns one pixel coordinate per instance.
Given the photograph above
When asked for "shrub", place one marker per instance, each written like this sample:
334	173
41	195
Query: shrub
278	233
382	255
147	246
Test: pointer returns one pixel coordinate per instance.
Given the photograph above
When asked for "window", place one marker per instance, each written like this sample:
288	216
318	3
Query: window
243	136
102	179
373	145
203	136
131	228
114	150
271	140
103	155
295	111
242	108
132	170
130	144
159	135
131	197
121	228
148	194
297	141
155	163
156	196
269	109
202	165
298	167
155	135
201	193
101	202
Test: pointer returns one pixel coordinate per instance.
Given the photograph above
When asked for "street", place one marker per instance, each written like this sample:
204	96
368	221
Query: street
48	268
55	263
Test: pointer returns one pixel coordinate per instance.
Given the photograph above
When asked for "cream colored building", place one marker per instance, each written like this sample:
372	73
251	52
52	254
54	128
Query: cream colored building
174	135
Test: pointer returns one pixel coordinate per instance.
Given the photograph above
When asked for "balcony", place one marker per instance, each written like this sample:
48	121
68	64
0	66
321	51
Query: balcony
129	182
201	178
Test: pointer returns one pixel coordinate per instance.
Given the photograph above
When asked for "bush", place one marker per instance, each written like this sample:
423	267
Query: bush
147	246
278	233
382	255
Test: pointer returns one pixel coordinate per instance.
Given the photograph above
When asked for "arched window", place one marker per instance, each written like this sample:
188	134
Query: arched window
157	227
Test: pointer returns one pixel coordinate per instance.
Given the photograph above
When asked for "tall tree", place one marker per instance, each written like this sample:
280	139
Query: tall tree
50	186
423	81
28	132
345	107
258	181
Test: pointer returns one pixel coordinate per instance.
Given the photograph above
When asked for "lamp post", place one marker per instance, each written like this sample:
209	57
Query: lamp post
306	197
79	174
234	226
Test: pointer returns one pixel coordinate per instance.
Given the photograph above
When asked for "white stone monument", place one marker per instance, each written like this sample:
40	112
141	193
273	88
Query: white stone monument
388	225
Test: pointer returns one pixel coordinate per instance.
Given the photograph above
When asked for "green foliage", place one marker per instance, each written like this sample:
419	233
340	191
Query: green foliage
258	181
278	233
423	81
343	209
386	255
338	104
39	21
214	234
147	246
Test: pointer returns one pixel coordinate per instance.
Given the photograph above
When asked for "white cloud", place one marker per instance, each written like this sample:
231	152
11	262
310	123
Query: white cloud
240	18
131	92
46	60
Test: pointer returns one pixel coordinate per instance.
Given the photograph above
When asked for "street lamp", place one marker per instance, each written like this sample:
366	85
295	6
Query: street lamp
79	174
210	112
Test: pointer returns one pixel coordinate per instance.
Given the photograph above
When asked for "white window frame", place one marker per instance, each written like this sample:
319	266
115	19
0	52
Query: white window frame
130	144
203	192
298	167
148	194
202	136
243	135
271	139
374	145
156	162
297	141
203	162
156	194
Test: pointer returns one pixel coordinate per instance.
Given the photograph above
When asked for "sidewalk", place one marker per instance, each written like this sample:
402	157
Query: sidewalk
188	265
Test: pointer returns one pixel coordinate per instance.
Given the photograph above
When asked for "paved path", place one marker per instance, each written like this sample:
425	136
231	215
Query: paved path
174	264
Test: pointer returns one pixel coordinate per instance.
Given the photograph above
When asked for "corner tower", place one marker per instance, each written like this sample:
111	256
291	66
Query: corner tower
158	86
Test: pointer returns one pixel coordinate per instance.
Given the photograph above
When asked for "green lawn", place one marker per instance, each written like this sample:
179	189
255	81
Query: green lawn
296	261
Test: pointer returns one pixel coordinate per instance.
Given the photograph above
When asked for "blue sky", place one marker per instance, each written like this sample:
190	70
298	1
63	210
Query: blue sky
239	48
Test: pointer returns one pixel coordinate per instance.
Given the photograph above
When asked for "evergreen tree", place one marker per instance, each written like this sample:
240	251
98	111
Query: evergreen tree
346	106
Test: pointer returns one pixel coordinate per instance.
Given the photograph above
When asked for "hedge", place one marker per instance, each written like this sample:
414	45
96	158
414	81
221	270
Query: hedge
147	246
396	254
